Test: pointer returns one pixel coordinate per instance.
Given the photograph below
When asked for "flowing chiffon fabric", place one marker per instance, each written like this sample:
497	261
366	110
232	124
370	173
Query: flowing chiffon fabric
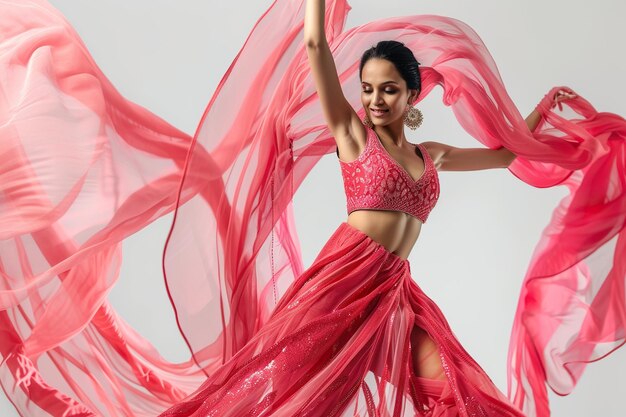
338	344
83	168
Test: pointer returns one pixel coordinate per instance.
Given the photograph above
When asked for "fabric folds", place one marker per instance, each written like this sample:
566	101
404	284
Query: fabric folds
339	343
83	168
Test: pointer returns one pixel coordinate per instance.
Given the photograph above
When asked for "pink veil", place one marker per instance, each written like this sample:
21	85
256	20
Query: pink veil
83	168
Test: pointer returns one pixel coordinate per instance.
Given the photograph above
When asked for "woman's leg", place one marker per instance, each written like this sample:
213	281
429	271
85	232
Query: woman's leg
425	355
429	384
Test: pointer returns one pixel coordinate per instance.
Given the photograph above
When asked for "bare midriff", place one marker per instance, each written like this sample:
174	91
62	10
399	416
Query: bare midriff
395	230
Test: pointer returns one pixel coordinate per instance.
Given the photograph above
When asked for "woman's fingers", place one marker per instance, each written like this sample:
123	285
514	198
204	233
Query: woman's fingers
562	95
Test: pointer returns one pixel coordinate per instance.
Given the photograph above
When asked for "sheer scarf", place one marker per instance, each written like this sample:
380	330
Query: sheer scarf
83	168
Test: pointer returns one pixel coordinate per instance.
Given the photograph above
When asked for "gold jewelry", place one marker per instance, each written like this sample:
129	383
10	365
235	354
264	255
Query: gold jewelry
413	117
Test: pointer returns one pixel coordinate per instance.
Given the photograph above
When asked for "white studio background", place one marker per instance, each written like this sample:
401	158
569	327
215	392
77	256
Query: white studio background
472	255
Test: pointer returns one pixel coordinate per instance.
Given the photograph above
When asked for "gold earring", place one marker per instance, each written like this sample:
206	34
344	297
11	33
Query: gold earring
413	117
367	122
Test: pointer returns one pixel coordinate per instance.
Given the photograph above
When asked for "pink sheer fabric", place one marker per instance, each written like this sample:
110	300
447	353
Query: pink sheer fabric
83	168
338	343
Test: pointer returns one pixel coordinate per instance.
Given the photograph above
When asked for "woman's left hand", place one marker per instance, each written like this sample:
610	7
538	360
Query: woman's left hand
562	95
555	97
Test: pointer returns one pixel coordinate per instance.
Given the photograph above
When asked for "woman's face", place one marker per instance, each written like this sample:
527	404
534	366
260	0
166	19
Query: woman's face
382	87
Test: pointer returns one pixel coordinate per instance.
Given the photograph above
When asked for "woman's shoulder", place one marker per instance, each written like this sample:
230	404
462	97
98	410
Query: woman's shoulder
435	150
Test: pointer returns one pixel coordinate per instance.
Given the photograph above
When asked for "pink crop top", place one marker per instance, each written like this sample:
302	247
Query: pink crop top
375	180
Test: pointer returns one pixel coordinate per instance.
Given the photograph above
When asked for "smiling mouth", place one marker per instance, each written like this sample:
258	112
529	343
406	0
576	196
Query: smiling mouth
378	112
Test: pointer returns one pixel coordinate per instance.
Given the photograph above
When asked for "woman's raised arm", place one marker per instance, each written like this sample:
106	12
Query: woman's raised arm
450	158
338	113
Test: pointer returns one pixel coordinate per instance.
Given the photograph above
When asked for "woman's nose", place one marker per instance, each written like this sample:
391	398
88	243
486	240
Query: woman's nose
377	98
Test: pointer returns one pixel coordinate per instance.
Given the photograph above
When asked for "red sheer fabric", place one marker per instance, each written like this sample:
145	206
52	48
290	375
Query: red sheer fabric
338	344
83	168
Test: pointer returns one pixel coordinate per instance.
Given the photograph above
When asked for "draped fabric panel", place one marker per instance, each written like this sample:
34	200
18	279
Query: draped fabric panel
83	168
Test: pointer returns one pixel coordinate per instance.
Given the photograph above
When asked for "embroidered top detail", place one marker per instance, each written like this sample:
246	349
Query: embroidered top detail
375	180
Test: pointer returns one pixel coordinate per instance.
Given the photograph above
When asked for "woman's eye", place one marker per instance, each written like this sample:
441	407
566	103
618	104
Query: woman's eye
386	91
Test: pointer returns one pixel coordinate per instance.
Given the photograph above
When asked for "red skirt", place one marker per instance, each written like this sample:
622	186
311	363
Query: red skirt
339	344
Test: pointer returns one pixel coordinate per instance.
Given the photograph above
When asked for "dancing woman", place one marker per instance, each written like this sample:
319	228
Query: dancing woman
354	334
351	335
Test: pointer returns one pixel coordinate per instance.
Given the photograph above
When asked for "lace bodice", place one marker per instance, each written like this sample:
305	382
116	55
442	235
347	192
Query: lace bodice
375	180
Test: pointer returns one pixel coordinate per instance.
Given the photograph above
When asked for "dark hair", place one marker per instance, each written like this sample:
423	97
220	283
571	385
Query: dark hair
400	56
